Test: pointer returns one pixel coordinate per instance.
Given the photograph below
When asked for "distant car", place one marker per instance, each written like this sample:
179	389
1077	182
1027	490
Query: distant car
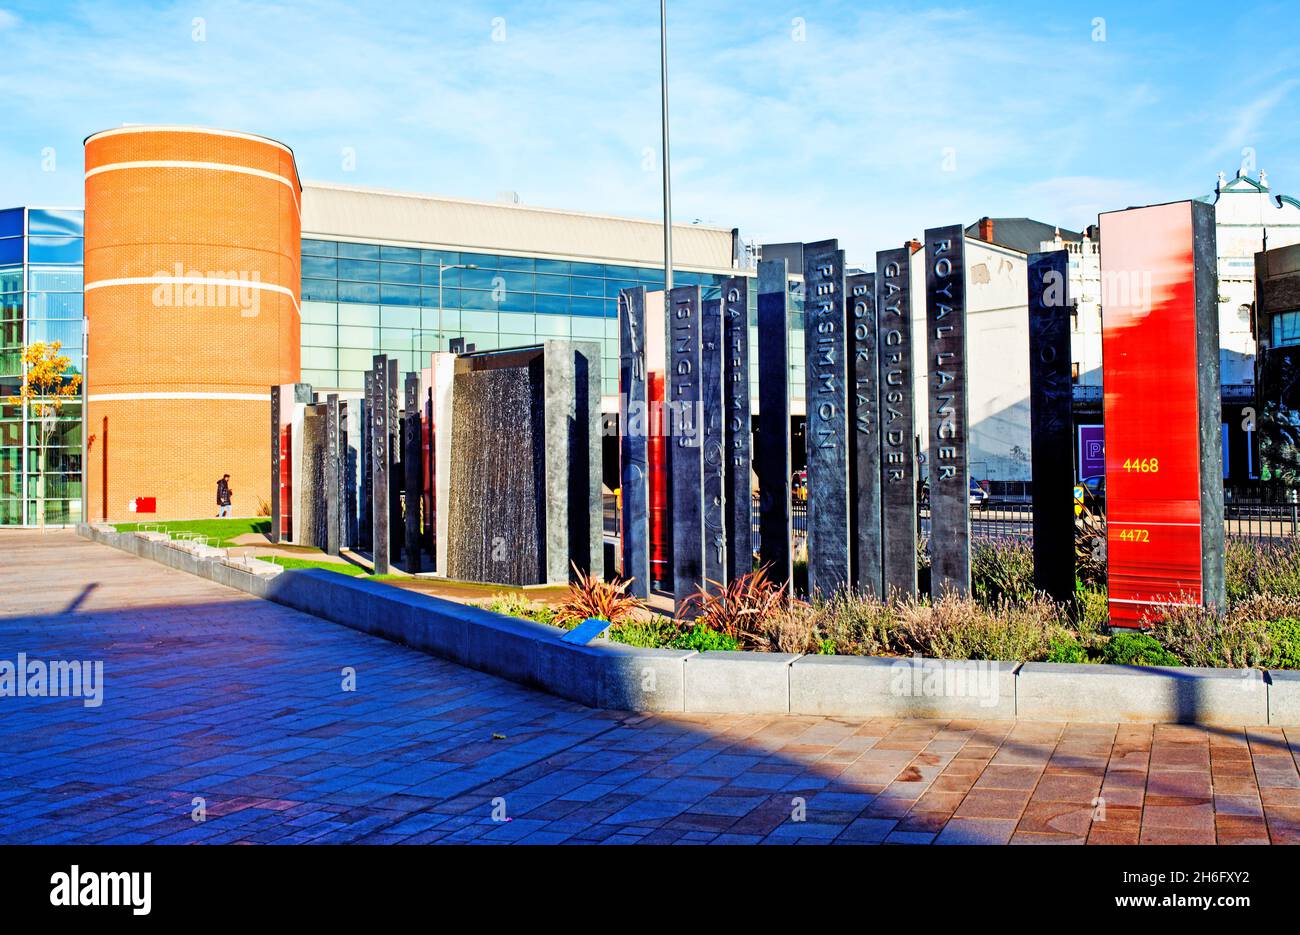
977	496
799	487
1090	492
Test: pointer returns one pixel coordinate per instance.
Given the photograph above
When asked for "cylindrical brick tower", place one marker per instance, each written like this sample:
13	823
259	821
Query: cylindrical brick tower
192	303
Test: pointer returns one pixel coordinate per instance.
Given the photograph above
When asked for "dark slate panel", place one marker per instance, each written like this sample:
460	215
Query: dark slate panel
1051	422
274	535
949	472
712	354
739	428
333	505
412	463
864	421
684	405
634	426
1209	400
897	422
380	458
397	532
772	444
366	496
826	344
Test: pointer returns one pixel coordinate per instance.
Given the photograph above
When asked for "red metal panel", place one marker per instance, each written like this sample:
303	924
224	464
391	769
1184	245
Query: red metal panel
145	505
656	449
1149	371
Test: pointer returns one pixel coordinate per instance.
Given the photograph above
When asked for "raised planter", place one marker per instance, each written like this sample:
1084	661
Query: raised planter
612	675
1047	691
733	682
868	686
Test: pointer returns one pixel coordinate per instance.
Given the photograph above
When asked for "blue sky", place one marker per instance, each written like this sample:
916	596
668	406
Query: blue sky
793	121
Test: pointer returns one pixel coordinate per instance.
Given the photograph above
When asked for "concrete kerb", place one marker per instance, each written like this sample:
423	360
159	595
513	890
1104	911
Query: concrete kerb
1161	694
1283	696
867	686
616	676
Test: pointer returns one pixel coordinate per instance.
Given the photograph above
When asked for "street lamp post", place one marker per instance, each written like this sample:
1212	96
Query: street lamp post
663	86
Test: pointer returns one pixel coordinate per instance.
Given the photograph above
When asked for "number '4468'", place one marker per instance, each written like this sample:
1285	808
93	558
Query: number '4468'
1142	465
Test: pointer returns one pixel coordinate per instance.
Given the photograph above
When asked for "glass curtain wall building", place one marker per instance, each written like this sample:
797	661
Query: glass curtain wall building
362	299
41	256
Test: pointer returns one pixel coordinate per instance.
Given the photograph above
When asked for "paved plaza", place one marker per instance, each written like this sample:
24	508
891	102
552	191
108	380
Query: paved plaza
215	696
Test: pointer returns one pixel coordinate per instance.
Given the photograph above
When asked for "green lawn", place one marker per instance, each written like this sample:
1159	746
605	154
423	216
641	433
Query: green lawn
343	568
218	531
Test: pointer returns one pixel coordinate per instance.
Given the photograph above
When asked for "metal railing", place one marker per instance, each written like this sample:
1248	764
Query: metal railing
1252	518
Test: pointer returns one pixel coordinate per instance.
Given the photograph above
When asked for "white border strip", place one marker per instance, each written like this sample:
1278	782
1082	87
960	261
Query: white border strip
194	281
119	397
213	166
172	128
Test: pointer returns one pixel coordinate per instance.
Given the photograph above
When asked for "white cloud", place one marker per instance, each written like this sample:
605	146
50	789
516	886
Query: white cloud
840	135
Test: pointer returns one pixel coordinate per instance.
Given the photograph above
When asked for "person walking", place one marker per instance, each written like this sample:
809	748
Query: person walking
223	496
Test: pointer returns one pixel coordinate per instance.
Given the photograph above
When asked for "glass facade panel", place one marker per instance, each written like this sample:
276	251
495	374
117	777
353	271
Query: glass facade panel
40	460
429	296
54	249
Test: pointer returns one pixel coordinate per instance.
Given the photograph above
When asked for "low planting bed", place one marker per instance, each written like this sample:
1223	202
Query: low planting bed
992	656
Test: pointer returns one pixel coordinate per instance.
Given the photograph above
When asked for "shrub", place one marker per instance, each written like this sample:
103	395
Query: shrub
1066	648
790	629
1284	634
1252	567
1091	613
591	596
741	608
516	605
1137	649
1090	548
1207	636
961	628
702	639
855	624
657	632
1002	570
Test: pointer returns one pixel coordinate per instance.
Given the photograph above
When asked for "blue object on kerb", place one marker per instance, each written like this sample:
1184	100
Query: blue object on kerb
585	632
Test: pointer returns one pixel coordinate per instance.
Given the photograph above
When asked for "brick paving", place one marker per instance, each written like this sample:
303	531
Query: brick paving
211	694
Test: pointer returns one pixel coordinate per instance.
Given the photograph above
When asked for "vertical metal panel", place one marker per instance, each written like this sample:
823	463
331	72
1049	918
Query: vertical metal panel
634	428
1160	368
397	534
826	362
772	446
739	423
274	534
365	525
949	472
686	439
1051	422
333	506
898	421
412	435
714	414
864	421
380	458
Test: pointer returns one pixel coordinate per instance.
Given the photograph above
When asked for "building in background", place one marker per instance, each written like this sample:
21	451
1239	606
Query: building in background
40	301
192	311
402	274
1277	309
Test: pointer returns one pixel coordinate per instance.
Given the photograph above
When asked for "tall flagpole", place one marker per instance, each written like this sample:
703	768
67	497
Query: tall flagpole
668	211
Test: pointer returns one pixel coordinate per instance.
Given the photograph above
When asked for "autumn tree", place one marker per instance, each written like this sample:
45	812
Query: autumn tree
46	387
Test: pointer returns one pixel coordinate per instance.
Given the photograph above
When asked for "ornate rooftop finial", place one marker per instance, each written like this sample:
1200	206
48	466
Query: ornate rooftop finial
1263	179
1222	179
